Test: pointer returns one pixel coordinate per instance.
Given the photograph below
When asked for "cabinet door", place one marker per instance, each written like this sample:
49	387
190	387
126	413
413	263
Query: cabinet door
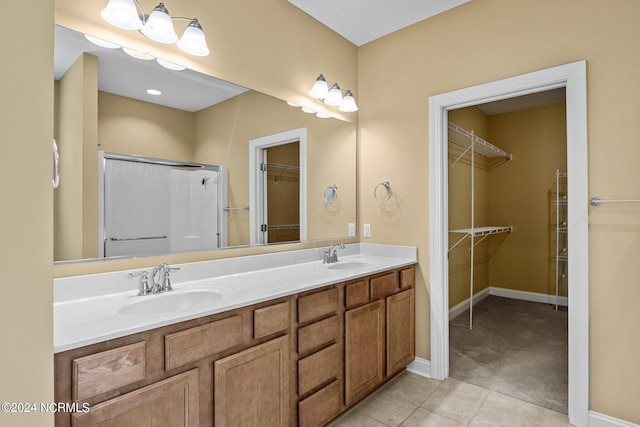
400	331
170	402
364	350
251	388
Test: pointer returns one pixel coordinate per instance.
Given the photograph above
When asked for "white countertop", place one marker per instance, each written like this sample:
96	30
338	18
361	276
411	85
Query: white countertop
86	308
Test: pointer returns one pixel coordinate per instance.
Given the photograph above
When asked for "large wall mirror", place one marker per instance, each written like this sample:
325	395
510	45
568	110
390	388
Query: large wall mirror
193	138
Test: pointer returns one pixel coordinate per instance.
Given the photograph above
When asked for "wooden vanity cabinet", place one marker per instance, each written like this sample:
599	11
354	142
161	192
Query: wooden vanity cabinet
319	354
380	333
300	360
252	387
171	402
364	350
150	368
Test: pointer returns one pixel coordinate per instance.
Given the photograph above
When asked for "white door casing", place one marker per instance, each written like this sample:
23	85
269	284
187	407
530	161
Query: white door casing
572	77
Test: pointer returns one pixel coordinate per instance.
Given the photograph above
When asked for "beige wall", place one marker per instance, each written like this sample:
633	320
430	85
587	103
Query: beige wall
76	135
129	126
471	119
519	193
522	194
482	41
224	132
26	120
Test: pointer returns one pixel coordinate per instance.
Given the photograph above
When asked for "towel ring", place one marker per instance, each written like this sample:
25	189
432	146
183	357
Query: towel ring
331	194
388	189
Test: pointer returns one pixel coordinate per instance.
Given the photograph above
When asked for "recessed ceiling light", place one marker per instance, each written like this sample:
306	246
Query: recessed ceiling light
154	92
170	65
101	43
308	110
138	55
292	104
322	115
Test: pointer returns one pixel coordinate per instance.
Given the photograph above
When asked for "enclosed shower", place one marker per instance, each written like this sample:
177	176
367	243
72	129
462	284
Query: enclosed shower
154	206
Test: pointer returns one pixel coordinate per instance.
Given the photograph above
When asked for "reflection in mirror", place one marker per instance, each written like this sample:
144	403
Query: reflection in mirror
157	206
102	106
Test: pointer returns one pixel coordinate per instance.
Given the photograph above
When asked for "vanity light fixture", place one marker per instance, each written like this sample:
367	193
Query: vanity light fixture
170	65
137	54
332	95
101	43
157	26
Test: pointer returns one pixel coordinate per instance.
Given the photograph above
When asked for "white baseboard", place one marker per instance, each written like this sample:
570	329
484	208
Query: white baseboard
529	296
507	293
464	305
601	420
420	367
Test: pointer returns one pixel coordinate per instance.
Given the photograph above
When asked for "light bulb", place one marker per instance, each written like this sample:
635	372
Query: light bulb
193	41
335	95
101	43
348	104
137	54
122	14
159	26
320	90
170	65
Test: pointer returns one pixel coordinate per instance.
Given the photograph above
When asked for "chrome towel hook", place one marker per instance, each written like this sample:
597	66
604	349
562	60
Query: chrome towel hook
389	192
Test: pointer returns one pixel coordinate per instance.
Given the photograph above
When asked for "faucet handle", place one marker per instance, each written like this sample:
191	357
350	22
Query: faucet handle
145	289
166	285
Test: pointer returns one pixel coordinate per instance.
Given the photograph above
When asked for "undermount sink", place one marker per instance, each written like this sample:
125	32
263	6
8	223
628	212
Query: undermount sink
352	264
171	301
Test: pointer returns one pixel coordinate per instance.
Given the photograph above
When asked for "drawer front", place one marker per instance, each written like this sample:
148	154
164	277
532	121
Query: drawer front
318	334
203	341
108	370
270	320
382	286
321	407
407	277
318	368
317	305
356	293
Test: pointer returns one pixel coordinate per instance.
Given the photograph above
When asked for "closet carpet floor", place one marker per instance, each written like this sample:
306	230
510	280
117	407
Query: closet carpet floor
516	348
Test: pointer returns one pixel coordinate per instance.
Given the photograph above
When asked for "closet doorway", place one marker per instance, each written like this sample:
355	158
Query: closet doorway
506	219
572	77
277	187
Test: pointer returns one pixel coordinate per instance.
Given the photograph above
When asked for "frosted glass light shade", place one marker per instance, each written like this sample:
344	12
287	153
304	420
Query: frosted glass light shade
159	26
137	54
348	104
193	41
170	65
320	90
335	95
122	14
101	43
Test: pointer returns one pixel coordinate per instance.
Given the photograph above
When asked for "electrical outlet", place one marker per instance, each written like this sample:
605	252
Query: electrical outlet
367	230
352	229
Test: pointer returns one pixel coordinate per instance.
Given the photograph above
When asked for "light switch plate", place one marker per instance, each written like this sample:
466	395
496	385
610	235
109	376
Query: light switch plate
367	230
352	229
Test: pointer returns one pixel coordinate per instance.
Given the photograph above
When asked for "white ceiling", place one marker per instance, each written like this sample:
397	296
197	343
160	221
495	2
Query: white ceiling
524	102
361	21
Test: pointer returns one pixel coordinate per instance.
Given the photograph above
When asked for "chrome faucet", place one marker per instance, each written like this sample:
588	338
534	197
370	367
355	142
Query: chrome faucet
160	284
331	254
145	289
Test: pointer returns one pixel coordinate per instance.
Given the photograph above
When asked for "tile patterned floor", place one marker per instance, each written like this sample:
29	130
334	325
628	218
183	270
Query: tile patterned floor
410	400
513	343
